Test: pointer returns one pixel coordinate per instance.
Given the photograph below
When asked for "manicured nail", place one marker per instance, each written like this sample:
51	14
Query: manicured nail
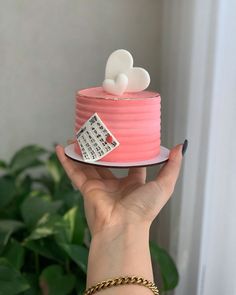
185	146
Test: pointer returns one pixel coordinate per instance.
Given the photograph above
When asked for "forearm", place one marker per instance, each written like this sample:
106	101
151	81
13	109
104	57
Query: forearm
120	251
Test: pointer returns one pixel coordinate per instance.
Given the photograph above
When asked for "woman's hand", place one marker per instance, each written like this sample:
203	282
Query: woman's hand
110	201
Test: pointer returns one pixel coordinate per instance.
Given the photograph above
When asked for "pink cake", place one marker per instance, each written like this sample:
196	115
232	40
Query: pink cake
133	118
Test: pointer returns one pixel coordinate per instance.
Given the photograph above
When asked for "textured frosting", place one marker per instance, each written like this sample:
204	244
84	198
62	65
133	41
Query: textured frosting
133	118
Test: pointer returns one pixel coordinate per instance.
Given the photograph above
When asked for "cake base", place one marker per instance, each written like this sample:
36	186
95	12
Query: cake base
161	158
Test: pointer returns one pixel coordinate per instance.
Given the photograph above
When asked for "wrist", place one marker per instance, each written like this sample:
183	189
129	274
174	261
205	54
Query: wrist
113	232
119	251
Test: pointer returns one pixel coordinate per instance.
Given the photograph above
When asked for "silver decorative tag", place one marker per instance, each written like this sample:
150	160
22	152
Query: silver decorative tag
95	139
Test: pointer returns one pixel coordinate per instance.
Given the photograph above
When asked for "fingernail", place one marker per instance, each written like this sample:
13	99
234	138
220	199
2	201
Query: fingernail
185	146
57	146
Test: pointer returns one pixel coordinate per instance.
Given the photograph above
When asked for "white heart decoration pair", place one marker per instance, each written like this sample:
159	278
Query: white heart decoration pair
121	76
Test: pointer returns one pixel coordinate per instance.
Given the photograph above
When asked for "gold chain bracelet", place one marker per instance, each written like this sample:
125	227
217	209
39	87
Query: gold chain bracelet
121	281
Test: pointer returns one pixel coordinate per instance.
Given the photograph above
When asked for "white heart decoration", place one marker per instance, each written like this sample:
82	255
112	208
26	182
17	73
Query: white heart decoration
121	76
138	79
116	86
120	61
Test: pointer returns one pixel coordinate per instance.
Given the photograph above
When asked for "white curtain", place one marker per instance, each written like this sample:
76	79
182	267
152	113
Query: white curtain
199	102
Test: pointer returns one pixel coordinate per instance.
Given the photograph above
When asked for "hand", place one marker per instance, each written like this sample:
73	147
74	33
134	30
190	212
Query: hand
110	201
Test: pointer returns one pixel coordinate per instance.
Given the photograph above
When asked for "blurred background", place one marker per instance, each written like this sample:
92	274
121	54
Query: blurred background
50	49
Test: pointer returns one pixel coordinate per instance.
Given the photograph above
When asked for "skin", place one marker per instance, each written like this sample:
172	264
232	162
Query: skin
119	213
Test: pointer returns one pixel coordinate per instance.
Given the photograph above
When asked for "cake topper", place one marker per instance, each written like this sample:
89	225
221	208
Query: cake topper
121	76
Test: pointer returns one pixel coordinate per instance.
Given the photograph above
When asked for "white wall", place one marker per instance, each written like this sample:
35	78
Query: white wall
50	49
198	82
218	259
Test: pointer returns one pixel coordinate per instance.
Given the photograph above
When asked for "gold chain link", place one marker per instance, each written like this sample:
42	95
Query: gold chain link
122	281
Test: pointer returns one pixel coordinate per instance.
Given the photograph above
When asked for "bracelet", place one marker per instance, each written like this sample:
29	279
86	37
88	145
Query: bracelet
121	281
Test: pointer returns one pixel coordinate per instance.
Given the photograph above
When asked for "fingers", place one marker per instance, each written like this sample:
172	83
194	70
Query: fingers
105	173
73	170
90	171
138	173
168	175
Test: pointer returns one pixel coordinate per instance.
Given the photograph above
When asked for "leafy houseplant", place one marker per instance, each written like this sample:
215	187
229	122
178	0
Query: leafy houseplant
44	236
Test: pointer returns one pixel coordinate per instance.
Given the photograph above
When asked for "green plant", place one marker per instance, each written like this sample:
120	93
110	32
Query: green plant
44	236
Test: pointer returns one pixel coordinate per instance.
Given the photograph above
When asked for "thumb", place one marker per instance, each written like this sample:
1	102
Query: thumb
168	175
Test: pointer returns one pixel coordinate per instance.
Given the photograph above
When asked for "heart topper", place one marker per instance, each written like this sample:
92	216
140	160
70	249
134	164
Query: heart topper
121	76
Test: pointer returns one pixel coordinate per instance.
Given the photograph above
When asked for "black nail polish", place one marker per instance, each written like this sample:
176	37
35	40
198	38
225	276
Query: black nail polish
185	146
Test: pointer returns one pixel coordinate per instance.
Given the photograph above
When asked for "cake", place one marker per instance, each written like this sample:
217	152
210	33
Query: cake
131	115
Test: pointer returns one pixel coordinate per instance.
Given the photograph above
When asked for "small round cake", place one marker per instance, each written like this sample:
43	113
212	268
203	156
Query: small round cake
120	121
133	118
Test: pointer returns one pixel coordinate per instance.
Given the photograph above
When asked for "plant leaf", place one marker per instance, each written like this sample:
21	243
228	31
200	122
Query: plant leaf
35	207
40	247
63	186
7	191
76	226
3	164
47	247
11	281
80	285
78	253
169	272
23	185
48	225
23	188
10	225
7	228
53	281
70	198
14	253
54	167
46	181
27	157
32	279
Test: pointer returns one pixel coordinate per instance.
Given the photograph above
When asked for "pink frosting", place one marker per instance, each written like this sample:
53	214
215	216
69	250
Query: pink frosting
133	118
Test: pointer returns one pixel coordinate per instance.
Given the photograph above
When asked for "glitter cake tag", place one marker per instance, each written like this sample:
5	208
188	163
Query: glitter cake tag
95	139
